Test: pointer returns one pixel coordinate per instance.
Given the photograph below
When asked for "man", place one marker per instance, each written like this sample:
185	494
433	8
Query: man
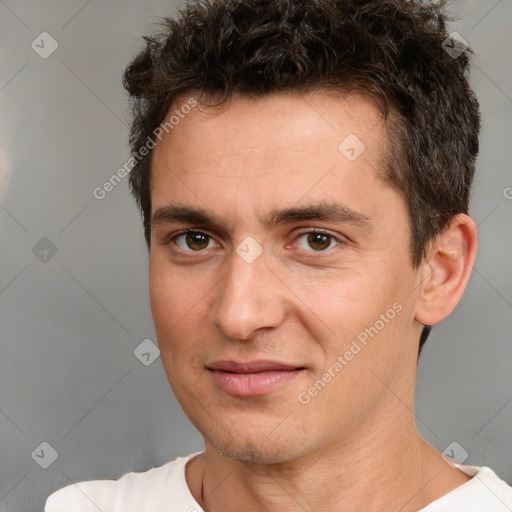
304	190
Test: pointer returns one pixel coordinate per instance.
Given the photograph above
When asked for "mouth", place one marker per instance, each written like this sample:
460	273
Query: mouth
253	378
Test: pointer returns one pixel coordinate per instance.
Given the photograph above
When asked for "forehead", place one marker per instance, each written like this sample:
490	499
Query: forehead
270	149
292	117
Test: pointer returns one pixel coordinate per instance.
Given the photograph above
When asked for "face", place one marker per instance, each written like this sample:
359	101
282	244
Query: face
281	283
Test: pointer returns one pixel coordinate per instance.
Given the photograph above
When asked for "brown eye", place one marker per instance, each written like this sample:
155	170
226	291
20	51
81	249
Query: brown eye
316	241
319	241
193	241
197	241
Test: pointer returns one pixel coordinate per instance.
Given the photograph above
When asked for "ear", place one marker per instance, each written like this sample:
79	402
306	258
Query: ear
446	270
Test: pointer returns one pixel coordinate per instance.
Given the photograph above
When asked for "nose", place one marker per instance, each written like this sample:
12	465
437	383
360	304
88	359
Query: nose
249	297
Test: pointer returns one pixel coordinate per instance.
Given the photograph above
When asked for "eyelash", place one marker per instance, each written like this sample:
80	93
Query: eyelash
301	233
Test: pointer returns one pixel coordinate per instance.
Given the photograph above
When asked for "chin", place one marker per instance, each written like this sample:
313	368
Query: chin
256	448
251	453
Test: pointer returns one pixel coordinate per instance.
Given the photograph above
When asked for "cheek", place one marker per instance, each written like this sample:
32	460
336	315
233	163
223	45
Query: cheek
368	306
344	301
169	298
161	303
178	302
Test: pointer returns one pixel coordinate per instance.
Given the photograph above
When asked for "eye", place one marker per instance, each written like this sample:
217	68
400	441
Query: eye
311	241
317	240
193	241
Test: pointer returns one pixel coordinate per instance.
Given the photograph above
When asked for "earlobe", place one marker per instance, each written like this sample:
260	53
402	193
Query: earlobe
446	271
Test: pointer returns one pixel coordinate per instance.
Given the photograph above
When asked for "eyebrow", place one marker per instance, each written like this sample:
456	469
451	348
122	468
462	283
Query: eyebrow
332	212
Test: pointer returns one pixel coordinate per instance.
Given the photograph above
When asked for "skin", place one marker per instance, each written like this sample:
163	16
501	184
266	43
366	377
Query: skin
354	446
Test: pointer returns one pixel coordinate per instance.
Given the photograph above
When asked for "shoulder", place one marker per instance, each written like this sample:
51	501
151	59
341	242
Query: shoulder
151	490
494	488
485	492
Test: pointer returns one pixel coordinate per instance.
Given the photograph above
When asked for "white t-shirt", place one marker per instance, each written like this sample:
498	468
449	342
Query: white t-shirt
164	489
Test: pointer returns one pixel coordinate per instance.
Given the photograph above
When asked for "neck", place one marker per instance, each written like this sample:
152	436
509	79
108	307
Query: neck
387	468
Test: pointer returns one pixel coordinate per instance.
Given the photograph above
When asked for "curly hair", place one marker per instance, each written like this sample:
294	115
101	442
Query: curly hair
395	51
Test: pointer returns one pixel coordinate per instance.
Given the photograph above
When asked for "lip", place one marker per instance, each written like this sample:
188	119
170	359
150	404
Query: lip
252	378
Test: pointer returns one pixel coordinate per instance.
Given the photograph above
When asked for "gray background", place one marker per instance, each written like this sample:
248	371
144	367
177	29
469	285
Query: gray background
70	325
